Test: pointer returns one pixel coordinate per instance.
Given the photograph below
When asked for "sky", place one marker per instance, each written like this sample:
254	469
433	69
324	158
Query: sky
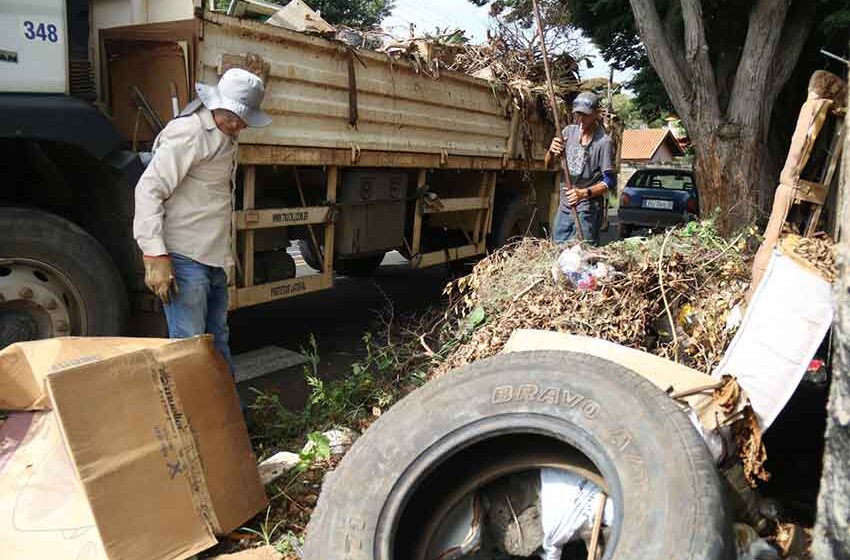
429	14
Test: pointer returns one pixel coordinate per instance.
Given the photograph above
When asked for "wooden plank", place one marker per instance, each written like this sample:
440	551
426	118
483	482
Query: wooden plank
447	255
333	179
264	154
249	185
264	293
810	192
443	205
421	181
281	217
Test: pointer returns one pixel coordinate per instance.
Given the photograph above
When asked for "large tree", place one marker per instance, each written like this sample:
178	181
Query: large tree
723	66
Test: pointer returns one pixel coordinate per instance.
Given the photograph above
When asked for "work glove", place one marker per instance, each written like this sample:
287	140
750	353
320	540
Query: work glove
159	276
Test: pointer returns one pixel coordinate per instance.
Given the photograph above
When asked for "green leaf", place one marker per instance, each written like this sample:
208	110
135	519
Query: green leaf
321	445
476	317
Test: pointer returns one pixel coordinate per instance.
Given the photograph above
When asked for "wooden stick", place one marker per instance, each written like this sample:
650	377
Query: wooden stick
597	528
696	391
564	167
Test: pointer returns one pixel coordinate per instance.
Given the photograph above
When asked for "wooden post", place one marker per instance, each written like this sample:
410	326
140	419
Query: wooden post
417	214
333	178
248	203
597	528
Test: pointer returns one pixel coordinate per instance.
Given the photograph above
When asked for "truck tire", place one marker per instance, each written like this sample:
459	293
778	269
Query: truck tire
55	279
355	267
514	413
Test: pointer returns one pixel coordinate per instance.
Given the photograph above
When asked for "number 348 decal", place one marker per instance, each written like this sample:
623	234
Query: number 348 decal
35	31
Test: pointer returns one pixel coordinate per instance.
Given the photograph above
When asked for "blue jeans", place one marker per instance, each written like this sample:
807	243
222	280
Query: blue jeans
565	229
200	305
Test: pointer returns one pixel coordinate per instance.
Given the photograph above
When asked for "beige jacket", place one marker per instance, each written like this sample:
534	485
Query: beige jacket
183	199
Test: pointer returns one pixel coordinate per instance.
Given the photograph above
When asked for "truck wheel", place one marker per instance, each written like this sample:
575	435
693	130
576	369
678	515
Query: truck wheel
397	486
356	267
55	280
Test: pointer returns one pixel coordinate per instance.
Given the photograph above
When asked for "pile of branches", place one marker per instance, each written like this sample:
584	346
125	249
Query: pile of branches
670	295
514	59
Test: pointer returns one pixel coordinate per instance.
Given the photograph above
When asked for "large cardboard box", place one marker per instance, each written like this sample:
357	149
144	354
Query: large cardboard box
126	449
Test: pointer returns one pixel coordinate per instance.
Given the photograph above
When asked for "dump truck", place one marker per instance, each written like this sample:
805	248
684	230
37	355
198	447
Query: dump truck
366	154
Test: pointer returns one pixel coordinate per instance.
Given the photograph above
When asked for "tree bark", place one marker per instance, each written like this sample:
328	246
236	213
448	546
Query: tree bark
832	529
729	142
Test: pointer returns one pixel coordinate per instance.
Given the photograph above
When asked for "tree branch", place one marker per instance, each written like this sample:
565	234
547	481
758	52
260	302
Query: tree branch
795	34
667	62
696	53
758	58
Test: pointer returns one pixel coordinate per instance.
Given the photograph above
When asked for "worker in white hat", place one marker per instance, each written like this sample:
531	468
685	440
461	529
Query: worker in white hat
184	204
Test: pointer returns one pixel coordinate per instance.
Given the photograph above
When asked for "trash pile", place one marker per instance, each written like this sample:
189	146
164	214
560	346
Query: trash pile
669	295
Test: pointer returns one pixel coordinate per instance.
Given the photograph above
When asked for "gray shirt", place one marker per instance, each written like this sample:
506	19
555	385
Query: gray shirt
586	163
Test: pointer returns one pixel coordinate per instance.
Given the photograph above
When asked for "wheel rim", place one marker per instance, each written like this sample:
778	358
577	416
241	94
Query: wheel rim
37	301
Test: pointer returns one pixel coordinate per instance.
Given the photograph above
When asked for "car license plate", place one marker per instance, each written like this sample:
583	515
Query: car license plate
658	204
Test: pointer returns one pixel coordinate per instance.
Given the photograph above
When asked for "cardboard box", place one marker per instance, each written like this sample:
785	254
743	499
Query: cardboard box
156	442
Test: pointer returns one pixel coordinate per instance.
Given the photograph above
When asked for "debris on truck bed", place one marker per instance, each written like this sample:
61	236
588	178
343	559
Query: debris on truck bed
507	58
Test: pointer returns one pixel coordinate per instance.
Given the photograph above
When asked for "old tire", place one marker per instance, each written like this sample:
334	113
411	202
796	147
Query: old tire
56	280
355	267
536	405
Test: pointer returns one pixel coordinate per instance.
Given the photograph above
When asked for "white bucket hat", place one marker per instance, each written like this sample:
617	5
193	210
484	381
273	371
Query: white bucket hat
238	91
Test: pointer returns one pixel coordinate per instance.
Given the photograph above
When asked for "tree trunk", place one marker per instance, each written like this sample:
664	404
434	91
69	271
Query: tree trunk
832	529
729	138
727	171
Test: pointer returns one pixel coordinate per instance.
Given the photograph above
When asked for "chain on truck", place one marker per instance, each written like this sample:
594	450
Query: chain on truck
364	156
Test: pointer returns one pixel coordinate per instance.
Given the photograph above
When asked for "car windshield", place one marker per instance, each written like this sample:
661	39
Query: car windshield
664	180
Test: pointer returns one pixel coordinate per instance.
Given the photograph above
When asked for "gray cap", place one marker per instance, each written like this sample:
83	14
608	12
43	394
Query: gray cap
238	91
585	103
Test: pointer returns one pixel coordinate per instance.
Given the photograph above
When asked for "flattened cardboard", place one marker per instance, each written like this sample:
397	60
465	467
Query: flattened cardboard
662	373
156	438
43	509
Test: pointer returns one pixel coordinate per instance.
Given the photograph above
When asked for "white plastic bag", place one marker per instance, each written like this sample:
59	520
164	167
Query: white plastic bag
568	503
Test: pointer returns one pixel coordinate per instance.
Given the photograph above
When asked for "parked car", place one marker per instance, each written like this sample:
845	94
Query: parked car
657	198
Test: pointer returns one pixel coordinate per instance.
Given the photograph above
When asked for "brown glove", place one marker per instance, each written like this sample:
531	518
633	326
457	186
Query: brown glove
159	276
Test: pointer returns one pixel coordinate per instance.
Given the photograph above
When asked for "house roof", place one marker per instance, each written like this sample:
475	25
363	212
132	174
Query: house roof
643	143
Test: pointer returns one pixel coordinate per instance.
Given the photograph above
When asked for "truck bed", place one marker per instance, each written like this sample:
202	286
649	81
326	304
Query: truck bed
315	87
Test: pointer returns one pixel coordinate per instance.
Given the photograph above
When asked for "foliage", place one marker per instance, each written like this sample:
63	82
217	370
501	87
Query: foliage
625	108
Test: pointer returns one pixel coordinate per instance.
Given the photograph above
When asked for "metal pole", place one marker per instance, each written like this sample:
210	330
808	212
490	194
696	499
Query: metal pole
564	167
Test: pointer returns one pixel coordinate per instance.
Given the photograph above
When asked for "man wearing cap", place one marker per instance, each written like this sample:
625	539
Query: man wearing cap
184	204
590	161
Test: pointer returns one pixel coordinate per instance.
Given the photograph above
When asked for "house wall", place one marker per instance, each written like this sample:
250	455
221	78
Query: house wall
662	154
